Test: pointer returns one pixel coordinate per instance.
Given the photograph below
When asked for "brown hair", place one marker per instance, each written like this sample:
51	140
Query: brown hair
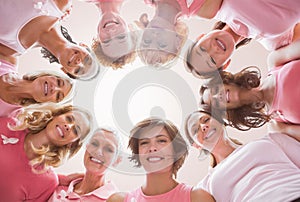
247	116
179	145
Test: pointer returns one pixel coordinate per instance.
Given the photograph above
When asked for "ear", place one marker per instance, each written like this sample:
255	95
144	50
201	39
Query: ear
83	45
226	64
196	146
199	37
118	160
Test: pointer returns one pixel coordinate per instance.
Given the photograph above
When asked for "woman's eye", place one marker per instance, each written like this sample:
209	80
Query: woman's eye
143	143
162	45
69	119
147	41
95	144
213	61
59	96
162	141
202	49
121	37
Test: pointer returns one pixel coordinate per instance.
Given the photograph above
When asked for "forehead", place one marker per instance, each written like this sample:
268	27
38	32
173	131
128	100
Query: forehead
199	60
153	132
105	137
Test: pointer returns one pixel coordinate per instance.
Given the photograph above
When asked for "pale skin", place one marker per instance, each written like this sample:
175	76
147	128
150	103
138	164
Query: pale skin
42	89
101	153
159	181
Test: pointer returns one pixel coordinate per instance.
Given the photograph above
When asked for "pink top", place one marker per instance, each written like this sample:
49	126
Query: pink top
19	13
63	193
186	9
180	193
6	108
267	169
287	93
270	22
18	182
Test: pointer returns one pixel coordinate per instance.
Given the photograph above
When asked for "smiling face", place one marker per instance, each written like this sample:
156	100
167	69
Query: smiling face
50	88
77	61
101	152
114	36
155	150
227	96
212	51
67	128
204	130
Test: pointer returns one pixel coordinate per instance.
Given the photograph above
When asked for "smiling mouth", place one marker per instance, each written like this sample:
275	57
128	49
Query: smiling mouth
110	23
221	45
60	132
227	96
154	159
96	160
46	88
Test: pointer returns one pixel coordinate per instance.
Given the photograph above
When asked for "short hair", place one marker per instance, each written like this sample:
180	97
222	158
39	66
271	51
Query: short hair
179	145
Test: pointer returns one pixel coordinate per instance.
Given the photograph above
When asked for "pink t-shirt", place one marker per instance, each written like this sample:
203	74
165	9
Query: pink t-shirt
18	182
19	13
186	9
6	108
64	193
267	169
270	22
287	93
180	193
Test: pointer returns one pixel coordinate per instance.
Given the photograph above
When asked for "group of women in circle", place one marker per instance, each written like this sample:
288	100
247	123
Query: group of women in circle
40	130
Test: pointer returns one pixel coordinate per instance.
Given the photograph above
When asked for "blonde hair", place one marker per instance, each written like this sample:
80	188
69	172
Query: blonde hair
13	78
35	118
115	63
167	60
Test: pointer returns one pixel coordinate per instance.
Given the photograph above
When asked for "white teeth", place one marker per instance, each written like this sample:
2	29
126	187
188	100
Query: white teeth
60	131
111	23
227	96
46	88
96	160
221	45
154	159
210	133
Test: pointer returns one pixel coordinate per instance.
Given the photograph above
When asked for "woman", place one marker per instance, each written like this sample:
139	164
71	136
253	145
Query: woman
164	35
158	146
116	41
248	172
102	152
35	23
32	88
251	104
36	140
212	51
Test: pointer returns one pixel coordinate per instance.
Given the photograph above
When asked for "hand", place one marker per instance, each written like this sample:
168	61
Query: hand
64	180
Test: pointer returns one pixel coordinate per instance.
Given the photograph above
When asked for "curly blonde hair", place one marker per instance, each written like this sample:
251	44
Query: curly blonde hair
35	119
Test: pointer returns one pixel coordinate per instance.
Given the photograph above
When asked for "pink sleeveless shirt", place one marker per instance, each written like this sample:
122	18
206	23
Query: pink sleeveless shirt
180	193
270	22
15	14
287	93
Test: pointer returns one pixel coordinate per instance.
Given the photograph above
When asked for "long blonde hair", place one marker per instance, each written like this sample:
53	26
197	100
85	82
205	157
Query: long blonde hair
34	119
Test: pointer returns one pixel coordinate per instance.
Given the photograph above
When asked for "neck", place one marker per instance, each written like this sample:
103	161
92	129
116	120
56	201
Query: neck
109	7
223	149
159	183
89	183
37	140
168	11
13	93
209	9
267	88
252	95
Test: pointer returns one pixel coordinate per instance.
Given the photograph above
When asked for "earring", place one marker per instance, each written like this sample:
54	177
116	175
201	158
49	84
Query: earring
258	105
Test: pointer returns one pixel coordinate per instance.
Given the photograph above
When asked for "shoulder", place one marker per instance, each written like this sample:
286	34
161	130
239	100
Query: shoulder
198	195
117	197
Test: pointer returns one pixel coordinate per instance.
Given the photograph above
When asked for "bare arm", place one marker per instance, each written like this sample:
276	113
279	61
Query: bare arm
65	180
288	129
199	195
117	197
286	53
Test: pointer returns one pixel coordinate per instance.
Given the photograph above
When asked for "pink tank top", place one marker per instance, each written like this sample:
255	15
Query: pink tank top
15	14
287	93
186	8
180	193
270	22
